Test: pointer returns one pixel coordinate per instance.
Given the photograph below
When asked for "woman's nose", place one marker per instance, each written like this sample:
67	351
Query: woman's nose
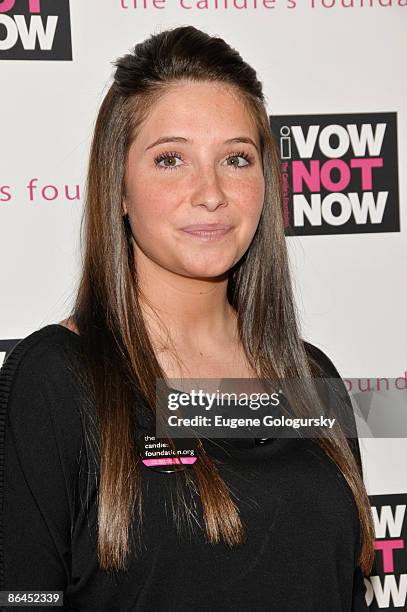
208	189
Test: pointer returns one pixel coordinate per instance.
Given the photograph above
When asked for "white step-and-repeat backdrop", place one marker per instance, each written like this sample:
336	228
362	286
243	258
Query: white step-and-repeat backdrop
334	73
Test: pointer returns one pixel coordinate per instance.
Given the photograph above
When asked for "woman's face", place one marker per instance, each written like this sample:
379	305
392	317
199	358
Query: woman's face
200	172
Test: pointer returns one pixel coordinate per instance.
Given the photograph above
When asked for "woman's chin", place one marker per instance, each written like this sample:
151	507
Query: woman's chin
208	270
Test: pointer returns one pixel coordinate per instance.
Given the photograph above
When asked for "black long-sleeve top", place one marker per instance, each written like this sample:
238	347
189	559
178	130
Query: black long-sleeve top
303	529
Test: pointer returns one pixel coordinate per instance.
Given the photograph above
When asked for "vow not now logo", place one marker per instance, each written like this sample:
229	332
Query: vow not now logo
340	172
35	29
386	587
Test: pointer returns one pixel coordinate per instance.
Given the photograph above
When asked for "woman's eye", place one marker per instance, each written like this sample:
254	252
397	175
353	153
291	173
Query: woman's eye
246	159
171	157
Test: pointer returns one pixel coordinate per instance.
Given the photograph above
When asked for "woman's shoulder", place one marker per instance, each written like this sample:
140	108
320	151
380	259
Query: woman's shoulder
40	348
38	374
338	395
320	357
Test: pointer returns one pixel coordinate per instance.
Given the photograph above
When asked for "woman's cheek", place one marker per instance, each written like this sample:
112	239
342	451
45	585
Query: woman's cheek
251	202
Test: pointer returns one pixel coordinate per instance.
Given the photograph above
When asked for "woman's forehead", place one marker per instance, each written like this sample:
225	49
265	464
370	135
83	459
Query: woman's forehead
197	112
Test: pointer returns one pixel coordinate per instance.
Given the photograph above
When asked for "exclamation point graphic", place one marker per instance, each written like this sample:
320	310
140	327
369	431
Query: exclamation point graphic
285	142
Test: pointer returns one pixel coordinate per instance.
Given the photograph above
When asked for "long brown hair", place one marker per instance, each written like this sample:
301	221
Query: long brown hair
118	353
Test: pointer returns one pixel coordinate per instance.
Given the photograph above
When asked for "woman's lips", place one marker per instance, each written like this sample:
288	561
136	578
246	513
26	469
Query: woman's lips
208	231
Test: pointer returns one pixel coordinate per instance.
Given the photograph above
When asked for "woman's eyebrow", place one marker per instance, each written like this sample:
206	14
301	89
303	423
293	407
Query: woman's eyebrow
236	139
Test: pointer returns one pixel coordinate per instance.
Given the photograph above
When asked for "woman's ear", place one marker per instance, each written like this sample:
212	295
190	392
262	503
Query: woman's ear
124	207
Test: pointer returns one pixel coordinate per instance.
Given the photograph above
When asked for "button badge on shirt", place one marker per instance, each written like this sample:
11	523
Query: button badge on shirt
156	454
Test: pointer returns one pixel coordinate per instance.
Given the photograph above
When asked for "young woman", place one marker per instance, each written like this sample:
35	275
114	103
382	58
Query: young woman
182	140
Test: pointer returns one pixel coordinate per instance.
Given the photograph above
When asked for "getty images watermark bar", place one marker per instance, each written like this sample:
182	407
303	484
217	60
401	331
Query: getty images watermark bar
290	407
